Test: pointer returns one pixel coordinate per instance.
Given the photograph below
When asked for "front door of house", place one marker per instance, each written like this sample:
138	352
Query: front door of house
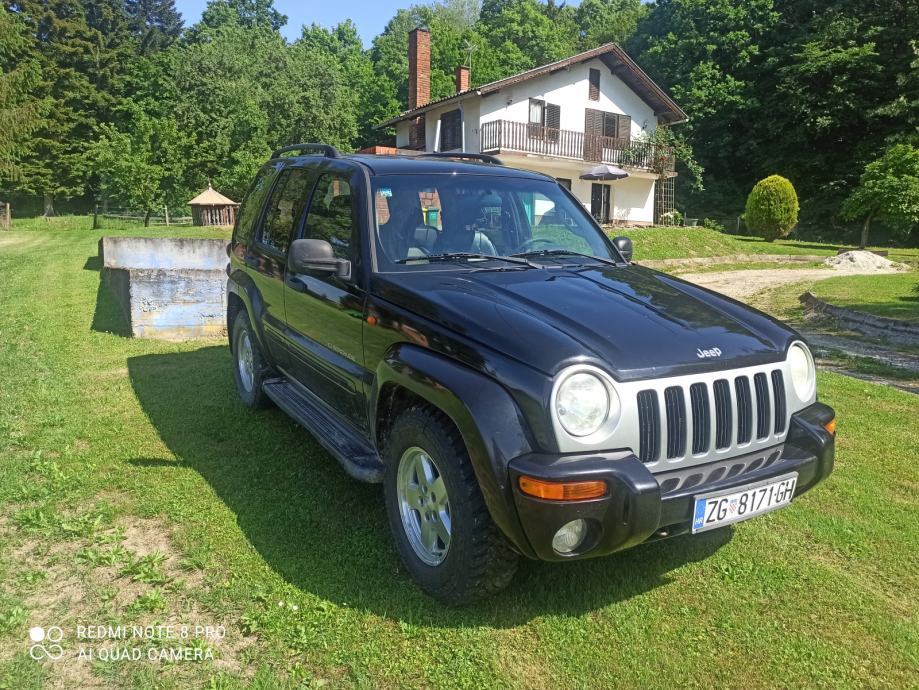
601	202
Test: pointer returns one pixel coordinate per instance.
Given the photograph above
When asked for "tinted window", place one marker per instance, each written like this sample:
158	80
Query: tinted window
285	209
330	216
252	203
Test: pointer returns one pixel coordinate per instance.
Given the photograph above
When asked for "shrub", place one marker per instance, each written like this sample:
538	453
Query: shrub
673	217
772	208
712	224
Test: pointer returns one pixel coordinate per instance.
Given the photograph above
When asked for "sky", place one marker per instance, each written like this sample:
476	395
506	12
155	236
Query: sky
370	16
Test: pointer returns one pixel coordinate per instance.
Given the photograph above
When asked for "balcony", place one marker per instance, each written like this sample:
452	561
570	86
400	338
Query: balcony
504	136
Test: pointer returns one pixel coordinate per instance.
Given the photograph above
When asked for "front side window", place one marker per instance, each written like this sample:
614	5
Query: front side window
331	215
422	217
285	209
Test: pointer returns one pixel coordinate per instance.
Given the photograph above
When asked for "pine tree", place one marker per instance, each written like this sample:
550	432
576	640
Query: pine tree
155	23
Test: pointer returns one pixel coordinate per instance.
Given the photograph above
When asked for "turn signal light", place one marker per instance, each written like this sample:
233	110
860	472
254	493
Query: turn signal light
562	491
830	426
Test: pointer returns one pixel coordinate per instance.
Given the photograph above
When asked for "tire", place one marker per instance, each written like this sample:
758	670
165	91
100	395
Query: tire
248	376
476	561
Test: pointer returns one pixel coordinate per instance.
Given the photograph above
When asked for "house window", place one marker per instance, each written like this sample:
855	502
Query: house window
594	81
451	131
545	120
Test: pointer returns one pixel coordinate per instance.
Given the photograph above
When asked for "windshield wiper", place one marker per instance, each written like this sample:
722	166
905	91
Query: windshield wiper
461	256
564	252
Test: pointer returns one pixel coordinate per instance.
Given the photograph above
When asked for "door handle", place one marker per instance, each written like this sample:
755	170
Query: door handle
296	283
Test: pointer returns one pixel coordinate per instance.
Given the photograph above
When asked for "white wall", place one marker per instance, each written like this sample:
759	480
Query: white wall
569	89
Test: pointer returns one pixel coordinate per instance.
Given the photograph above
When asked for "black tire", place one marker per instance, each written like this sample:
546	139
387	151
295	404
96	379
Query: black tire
478	562
250	392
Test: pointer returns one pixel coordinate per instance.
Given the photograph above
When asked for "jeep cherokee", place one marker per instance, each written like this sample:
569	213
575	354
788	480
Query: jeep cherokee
467	335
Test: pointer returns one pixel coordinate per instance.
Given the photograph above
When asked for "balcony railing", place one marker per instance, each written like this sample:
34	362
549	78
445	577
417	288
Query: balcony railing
523	137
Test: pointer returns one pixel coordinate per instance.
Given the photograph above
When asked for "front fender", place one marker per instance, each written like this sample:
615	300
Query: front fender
492	427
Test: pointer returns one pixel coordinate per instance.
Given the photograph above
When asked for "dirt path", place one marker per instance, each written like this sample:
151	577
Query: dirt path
744	284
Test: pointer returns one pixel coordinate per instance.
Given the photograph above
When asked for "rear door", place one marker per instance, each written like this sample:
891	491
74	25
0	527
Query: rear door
325	313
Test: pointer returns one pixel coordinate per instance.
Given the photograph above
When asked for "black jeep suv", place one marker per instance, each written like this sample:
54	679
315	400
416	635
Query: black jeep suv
467	335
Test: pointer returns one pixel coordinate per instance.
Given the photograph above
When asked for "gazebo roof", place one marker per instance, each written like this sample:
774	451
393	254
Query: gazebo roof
210	197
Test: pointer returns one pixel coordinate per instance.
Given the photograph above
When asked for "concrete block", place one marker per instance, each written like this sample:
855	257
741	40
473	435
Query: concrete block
168	288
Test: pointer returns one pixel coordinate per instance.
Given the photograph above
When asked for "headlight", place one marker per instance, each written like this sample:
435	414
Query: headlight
803	373
582	404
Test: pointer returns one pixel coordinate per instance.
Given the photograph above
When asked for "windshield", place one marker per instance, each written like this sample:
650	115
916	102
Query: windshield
424	221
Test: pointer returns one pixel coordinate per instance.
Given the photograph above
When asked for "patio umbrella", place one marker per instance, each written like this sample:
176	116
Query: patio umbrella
604	172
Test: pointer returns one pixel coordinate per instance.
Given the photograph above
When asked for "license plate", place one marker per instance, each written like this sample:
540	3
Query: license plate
725	507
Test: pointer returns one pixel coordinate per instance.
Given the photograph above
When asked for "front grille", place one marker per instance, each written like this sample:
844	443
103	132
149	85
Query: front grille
739	412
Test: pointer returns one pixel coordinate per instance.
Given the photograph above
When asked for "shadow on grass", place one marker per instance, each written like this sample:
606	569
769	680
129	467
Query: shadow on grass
108	317
326	533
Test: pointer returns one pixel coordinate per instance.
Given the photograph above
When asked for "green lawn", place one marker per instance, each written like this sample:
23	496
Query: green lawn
895	296
134	488
679	243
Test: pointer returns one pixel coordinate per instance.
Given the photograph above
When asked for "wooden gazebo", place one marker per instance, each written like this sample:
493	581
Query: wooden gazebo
212	208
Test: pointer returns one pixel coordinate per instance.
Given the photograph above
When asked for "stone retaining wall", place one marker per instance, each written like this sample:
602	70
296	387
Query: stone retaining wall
732	259
893	330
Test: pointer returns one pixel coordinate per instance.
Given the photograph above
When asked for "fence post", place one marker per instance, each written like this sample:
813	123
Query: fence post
166	214
96	217
7	220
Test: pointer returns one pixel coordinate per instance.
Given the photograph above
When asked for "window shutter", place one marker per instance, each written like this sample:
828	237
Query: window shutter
451	131
625	127
609	125
593	121
553	121
594	80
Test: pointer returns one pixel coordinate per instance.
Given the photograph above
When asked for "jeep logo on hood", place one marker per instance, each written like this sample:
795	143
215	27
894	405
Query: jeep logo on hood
705	354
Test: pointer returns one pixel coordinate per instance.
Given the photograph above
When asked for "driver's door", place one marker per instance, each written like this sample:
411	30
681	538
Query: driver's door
325	312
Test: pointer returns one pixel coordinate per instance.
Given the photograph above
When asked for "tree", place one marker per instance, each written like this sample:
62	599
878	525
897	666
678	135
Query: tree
889	189
251	14
155	23
20	110
607	21
141	165
772	208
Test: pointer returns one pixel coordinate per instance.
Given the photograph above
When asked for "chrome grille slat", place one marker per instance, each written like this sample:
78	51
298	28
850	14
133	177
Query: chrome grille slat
675	406
778	395
701	417
744	410
763	412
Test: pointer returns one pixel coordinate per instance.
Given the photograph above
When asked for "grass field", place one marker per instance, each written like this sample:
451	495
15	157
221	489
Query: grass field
135	489
679	243
894	296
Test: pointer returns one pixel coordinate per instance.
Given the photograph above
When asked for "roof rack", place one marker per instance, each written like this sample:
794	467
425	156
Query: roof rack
325	149
483	157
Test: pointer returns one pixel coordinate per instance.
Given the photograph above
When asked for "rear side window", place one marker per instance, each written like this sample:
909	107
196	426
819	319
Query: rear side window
331	217
252	203
285	209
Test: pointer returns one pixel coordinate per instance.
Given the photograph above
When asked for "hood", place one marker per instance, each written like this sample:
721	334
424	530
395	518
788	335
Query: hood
632	321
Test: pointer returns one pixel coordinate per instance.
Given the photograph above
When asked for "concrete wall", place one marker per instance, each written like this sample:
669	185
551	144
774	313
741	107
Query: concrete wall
168	288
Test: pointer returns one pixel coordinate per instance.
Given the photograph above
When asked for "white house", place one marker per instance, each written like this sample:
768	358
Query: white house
561	119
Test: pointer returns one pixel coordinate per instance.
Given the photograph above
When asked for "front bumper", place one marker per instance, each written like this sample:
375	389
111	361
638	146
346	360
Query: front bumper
642	506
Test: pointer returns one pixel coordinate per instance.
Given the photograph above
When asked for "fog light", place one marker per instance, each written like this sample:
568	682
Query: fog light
570	536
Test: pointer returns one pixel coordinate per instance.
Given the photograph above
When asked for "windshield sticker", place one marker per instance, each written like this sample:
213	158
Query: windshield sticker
385	192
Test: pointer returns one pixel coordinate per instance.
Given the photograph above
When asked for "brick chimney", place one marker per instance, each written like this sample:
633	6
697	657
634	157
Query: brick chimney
419	68
462	78
419	82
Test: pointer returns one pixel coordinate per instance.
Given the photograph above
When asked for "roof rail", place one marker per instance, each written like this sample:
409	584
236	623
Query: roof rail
325	149
483	157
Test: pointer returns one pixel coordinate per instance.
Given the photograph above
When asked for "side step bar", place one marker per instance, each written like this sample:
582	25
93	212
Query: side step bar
355	453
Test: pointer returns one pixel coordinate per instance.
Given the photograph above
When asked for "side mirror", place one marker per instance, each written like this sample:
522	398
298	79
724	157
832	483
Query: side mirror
316	257
624	245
